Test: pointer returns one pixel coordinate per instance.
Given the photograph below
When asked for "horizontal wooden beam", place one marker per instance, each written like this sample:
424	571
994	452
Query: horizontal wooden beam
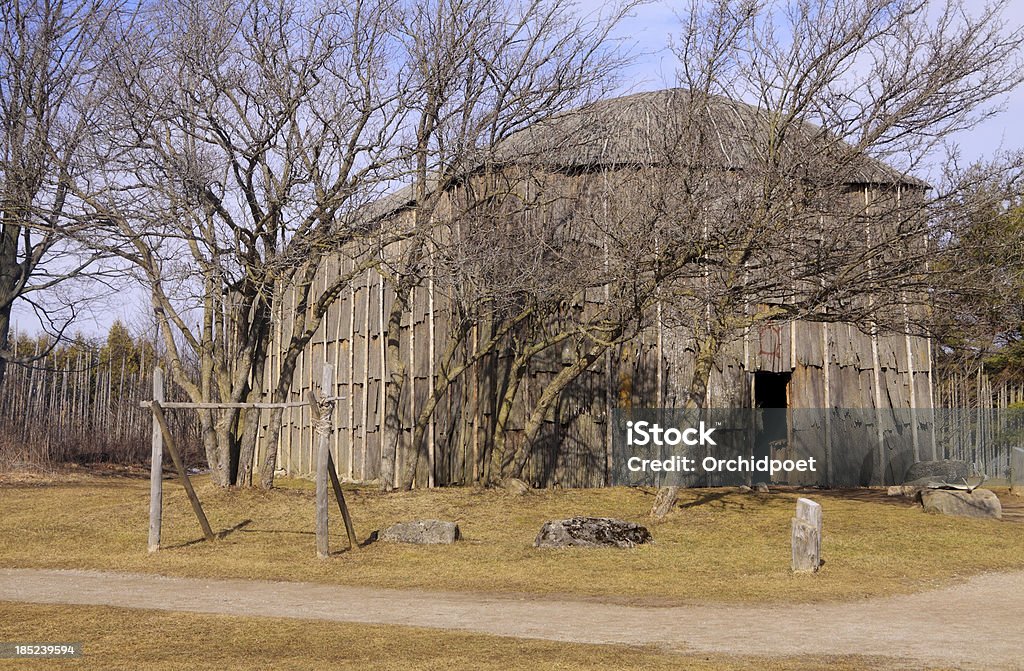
224	406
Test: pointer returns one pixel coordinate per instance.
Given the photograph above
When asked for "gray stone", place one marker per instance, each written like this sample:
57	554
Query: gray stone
981	503
910	490
591	532
744	489
515	486
945	470
762	488
422	532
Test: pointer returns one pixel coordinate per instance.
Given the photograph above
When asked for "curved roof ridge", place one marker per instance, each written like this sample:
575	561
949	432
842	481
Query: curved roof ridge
721	133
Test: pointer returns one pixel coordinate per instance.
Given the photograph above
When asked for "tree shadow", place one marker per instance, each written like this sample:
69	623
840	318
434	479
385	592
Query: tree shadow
217	536
704	499
238	527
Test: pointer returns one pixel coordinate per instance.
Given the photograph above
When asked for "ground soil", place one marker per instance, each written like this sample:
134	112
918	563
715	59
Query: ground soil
972	625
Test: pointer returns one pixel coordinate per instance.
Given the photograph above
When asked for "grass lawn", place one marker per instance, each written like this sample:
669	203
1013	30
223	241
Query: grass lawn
115	638
719	545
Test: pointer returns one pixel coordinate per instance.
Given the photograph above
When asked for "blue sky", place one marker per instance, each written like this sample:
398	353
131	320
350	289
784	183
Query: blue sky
652	26
648	32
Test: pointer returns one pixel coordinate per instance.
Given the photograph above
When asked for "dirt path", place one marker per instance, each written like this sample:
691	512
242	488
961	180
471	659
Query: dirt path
976	625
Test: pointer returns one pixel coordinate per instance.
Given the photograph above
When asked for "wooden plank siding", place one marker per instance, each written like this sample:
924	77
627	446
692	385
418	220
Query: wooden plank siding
571	450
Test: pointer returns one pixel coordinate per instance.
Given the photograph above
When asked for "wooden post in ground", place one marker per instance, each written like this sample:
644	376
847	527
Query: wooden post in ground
321	413
322	420
156	492
1017	471
350	529
807	536
158	415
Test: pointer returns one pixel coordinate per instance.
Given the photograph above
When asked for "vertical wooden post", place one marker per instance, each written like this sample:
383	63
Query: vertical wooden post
382	396
350	529
1017	471
322	430
351	381
931	402
179	465
156	492
806	543
826	369
431	374
366	376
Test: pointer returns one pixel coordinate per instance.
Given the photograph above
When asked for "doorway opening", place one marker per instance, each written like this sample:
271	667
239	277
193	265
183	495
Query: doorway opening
771	390
771	402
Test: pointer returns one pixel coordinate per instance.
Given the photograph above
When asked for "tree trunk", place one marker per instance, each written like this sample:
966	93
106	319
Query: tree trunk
210	445
5	331
665	500
227	442
549	396
395	364
8	286
250	428
270	441
445	379
498	452
445	376
394	385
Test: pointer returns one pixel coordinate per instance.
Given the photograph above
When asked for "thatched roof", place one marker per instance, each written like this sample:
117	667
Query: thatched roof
662	127
665	127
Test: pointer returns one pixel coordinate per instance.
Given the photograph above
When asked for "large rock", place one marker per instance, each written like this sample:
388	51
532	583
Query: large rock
515	486
422	532
944	470
981	503
591	532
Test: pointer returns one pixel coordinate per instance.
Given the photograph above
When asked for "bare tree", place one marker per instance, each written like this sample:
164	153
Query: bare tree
478	71
776	185
984	260
239	142
48	58
814	228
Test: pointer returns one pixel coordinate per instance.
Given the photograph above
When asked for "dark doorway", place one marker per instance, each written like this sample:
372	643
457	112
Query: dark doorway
771	390
771	401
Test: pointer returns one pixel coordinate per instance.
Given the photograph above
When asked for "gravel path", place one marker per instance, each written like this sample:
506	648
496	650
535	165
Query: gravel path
978	624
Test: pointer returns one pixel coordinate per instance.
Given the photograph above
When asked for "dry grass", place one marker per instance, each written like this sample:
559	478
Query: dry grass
115	638
719	546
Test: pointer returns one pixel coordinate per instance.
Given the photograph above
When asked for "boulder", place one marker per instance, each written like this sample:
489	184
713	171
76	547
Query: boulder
591	532
981	503
944	470
515	486
762	488
422	532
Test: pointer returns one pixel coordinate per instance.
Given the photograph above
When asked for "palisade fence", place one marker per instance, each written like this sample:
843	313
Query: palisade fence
87	408
84	408
979	420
